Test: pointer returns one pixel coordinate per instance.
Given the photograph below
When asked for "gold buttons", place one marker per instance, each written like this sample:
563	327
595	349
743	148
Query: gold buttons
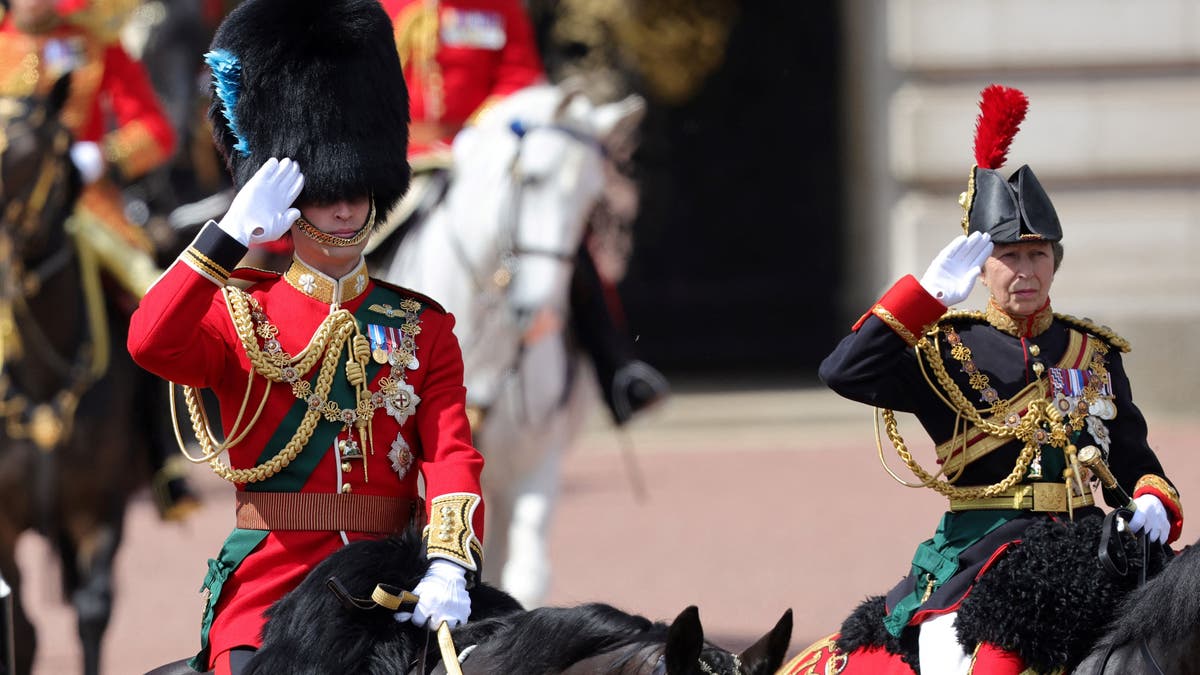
446	529
1034	350
1038	368
346	467
345	488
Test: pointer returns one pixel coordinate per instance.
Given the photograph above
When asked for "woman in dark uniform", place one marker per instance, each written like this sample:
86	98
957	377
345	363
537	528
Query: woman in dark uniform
1009	395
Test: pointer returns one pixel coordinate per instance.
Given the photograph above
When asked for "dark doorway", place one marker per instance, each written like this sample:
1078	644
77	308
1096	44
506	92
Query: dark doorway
735	262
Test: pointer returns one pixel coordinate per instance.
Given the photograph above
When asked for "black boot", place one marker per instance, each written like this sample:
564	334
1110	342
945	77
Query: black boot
629	385
173	496
635	387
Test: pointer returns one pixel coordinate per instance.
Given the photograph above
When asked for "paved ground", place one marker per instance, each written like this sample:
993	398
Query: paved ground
759	499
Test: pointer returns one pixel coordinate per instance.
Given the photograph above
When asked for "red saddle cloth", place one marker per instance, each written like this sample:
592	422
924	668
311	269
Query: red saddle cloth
823	657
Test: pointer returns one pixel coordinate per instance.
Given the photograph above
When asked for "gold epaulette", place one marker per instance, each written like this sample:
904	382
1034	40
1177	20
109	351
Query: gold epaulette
1104	332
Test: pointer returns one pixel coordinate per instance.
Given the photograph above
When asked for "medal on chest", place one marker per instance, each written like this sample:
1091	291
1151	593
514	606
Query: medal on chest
394	348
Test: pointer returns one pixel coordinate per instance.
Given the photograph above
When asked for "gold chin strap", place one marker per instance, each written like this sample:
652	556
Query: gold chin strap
310	231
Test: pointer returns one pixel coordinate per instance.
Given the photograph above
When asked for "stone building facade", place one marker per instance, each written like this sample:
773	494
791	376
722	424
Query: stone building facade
1113	132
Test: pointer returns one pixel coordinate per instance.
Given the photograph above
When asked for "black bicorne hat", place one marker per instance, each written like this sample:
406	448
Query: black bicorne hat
318	81
1013	209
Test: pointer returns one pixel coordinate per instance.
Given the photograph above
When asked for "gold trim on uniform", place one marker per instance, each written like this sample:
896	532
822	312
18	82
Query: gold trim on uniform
205	266
1001	321
895	324
1043	497
449	533
1163	487
1079	349
319	286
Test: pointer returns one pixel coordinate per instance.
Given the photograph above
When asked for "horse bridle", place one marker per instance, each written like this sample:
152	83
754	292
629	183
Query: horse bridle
24	211
512	249
49	422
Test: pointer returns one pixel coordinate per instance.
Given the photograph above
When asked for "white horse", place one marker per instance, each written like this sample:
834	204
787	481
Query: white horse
498	252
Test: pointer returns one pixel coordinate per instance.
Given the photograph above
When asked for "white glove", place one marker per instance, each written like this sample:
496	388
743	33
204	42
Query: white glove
88	159
1152	517
259	211
952	273
442	597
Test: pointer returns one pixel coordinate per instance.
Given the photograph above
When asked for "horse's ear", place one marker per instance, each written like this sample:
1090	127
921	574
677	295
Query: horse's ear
626	113
58	95
617	124
685	639
766	655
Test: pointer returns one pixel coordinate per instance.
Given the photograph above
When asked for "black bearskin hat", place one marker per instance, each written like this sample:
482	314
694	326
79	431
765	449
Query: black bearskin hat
1013	209
318	81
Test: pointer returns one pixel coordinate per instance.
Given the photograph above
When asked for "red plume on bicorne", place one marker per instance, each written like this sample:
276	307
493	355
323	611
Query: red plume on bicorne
1001	111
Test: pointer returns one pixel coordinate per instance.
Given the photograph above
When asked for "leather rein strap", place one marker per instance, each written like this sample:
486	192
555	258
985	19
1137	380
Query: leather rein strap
1118	566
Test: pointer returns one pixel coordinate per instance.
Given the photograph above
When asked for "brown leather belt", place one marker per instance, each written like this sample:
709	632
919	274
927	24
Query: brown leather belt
324	511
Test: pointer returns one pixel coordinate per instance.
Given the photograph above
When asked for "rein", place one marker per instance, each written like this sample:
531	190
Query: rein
1119	566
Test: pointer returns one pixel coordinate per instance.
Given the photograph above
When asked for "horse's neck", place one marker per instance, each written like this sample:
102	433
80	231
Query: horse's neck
450	266
51	326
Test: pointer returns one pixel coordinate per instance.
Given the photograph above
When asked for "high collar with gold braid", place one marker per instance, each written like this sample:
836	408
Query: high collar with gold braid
1030	326
320	286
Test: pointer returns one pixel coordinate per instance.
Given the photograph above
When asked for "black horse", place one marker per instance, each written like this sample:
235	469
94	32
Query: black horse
1157	627
74	433
315	631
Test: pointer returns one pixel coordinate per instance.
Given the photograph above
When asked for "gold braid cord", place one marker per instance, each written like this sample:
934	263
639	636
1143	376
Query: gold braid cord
326	346
1040	411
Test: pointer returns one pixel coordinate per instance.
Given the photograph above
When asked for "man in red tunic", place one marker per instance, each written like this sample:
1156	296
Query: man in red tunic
335	390
460	57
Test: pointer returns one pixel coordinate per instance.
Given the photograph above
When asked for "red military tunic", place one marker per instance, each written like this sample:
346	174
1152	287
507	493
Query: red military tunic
458	56
183	331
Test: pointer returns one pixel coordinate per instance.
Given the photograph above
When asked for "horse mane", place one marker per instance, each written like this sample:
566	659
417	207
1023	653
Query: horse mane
549	639
1166	608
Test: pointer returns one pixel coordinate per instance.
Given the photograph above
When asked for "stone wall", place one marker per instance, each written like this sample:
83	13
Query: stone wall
1113	133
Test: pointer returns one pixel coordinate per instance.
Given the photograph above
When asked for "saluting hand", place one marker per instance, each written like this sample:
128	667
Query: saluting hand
952	274
260	210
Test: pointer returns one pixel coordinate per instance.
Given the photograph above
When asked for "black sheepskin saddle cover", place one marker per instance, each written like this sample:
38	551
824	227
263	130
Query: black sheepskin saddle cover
310	632
1048	599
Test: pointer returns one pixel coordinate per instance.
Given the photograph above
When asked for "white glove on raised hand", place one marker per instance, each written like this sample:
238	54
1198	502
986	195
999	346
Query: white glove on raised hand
88	159
442	597
952	274
1151	515
259	211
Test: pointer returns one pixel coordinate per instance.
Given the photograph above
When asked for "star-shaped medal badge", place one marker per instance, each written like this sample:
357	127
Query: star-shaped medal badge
401	456
401	401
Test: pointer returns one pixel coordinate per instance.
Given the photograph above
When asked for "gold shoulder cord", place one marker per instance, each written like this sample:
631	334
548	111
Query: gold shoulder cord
1088	326
1039	411
276	366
